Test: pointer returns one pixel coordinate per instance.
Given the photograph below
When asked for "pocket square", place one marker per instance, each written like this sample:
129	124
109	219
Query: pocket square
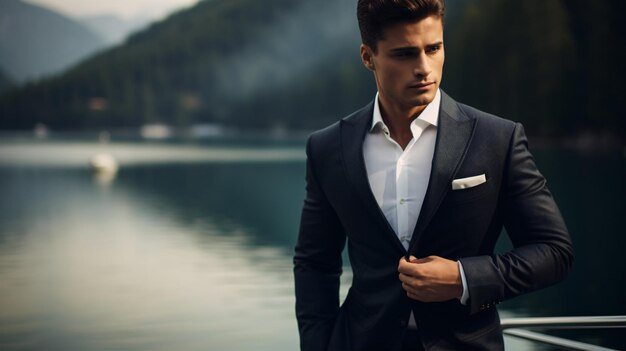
469	182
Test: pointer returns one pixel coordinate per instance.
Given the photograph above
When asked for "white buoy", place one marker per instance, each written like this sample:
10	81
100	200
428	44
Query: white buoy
103	163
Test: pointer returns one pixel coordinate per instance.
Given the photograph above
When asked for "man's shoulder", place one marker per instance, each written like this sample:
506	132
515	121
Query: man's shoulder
325	133
333	131
485	119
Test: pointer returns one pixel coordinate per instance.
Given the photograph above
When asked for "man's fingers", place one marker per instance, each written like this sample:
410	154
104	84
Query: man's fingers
413	296
420	297
411	285
410	268
427	259
412	292
404	266
408	279
414	259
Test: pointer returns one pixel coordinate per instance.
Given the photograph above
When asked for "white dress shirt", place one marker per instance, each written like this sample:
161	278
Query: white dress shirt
399	178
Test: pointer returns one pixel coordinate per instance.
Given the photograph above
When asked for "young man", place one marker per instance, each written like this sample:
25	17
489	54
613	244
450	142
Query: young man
420	186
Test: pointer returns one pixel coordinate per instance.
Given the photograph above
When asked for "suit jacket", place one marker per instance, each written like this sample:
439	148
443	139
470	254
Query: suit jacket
456	224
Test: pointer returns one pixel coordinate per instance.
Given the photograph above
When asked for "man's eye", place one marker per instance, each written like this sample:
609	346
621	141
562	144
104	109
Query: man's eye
433	49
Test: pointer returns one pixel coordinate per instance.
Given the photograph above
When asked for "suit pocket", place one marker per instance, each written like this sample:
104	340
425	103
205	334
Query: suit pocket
464	196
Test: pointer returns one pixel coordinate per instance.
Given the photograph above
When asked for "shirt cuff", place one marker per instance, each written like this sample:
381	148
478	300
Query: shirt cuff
465	295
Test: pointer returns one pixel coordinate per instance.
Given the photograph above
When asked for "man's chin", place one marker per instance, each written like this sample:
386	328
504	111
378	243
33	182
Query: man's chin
423	99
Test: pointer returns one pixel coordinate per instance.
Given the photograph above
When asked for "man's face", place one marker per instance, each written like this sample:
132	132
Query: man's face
408	64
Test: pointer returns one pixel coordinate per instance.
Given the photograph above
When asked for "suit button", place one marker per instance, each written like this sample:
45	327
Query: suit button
402	323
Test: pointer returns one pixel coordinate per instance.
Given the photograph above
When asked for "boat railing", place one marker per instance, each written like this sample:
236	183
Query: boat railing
516	327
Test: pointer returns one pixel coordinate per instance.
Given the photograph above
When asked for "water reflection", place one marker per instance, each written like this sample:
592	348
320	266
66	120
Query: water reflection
150	262
196	255
263	198
98	271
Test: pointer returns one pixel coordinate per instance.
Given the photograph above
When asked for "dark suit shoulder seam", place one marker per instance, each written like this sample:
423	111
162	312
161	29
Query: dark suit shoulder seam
482	115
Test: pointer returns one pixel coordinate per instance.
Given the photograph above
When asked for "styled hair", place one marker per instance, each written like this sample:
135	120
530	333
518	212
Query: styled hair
375	16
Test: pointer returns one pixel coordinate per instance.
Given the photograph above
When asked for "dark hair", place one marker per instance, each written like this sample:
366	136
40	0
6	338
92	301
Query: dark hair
375	15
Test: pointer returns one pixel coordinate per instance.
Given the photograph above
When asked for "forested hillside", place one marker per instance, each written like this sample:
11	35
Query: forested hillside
557	66
554	65
234	62
5	82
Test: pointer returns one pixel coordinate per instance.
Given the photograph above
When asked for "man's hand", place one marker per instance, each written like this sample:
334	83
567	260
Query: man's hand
430	279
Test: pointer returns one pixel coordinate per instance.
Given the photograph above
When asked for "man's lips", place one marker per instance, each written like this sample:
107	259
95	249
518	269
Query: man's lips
421	85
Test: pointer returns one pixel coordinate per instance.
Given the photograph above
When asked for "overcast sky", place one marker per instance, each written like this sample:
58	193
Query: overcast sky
153	9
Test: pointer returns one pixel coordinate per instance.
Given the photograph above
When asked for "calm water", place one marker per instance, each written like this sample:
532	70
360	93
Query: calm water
189	247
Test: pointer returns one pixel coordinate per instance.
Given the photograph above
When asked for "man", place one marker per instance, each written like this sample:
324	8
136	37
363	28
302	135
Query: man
420	187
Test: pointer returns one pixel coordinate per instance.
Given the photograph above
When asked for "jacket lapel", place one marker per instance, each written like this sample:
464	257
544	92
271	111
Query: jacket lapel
454	133
353	130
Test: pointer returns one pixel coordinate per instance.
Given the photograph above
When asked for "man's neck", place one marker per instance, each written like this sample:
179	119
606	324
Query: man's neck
399	120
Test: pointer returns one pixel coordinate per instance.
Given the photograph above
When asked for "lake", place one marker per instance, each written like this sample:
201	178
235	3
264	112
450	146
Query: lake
189	246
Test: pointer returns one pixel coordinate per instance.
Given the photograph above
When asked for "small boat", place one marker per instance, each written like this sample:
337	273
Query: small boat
103	163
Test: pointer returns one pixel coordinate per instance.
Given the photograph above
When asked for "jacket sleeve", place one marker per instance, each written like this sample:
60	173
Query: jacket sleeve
542	253
317	264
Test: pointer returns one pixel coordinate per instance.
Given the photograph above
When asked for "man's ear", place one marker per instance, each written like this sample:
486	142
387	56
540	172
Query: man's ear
367	57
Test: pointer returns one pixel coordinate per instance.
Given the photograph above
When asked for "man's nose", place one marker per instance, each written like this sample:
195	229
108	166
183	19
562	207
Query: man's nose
422	68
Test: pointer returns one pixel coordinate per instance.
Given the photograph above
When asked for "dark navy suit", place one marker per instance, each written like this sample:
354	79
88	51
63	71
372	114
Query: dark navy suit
455	224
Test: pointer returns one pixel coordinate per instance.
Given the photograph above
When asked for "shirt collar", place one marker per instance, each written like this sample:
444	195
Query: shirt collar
430	115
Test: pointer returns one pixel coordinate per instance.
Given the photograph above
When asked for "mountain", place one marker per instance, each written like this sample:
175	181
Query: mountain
113	29
35	41
556	66
233	62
